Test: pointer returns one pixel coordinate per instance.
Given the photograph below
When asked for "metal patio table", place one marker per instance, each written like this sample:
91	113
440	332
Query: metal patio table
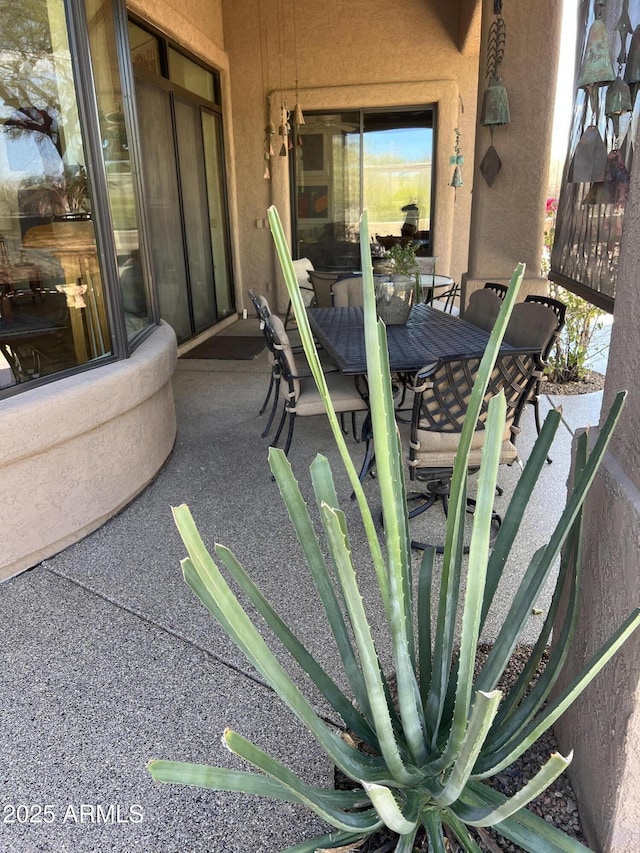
428	335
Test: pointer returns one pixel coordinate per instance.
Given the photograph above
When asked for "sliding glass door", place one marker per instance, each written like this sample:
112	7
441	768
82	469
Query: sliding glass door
181	139
378	160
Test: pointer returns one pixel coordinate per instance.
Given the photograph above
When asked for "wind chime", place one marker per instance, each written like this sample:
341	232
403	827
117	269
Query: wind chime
595	162
495	104
456	160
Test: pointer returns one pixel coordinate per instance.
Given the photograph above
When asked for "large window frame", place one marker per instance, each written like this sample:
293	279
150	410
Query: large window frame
121	340
311	182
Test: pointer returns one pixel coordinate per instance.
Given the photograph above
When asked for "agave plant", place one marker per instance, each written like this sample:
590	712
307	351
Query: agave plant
429	748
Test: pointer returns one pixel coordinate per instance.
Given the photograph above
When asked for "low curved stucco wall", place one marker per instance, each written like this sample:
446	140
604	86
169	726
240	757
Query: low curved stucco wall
74	452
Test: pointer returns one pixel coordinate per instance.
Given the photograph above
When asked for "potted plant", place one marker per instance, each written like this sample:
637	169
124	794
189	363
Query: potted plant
396	293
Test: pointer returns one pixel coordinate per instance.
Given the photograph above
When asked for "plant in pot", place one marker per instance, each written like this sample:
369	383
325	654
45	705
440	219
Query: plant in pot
396	293
428	750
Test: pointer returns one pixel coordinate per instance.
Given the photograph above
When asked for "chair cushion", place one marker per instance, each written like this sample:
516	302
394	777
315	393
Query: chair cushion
342	390
531	325
483	309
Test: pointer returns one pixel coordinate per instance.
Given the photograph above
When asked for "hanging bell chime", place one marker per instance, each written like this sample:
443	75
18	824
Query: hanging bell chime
456	180
597	66
297	117
495	105
617	102
589	164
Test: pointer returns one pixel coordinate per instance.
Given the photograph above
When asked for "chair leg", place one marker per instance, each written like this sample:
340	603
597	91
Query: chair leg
535	402
280	426
292	417
266	399
276	396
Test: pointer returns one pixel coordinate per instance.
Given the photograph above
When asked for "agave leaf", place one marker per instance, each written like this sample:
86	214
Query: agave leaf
313	798
474	593
449	591
516	509
432	822
334	528
314	362
204	577
328	842
571	557
220	779
425	580
244	782
524	828
529	733
386	806
298	651
297	508
324	489
461	833
482	714
513	713
489	816
531	587
394	510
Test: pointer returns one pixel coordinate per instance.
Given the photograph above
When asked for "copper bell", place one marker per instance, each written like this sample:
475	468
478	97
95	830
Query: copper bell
495	104
596	65
456	180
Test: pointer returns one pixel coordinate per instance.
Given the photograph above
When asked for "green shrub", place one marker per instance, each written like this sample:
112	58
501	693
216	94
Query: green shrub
569	354
429	750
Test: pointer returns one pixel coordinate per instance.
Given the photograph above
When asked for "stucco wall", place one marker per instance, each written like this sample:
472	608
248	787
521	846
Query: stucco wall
349	55
603	726
74	452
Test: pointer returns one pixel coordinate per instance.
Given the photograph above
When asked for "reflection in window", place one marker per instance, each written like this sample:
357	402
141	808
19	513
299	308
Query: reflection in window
115	150
380	161
52	310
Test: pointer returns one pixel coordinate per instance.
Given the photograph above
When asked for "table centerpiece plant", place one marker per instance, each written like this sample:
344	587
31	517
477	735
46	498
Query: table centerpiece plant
427	751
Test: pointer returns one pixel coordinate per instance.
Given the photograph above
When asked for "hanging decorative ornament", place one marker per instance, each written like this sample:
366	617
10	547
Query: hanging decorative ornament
284	129
269	133
457	160
297	119
589	163
617	102
495	103
597	67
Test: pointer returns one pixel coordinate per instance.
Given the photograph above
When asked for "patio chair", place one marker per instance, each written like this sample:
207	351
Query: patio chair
301	395
442	391
263	312
559	309
322	283
483	309
303	268
348	292
497	288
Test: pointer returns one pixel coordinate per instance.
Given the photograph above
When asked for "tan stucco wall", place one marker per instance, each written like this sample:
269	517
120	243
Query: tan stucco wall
74	452
349	55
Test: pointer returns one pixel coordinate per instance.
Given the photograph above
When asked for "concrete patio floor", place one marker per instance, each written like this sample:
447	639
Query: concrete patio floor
109	660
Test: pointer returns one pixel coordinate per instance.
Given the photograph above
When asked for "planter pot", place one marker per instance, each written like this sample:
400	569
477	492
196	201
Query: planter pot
394	299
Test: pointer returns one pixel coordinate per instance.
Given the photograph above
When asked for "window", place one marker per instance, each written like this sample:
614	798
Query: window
56	305
380	160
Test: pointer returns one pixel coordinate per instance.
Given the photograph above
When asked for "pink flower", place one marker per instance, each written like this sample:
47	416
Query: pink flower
551	206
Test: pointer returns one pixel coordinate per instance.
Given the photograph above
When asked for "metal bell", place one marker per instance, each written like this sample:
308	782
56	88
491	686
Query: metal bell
495	104
456	180
589	164
597	66
632	71
618	98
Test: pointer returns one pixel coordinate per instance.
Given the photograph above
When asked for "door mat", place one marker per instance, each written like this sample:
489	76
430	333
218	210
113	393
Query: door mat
228	347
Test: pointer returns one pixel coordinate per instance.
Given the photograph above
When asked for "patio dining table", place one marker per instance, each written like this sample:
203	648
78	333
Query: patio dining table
428	335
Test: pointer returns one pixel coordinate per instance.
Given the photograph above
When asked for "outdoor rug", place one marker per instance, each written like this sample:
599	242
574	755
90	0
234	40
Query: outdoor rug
228	347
